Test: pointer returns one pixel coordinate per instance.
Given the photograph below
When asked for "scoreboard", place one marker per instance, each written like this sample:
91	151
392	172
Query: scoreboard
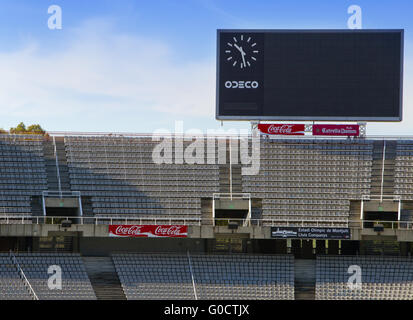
335	75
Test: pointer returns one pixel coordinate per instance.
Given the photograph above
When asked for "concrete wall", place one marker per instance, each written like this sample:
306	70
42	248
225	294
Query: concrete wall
386	206
62	203
106	246
194	232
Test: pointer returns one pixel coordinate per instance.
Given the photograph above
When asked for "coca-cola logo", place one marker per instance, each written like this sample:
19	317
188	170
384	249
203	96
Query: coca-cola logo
132	230
172	230
283	129
286	128
148	230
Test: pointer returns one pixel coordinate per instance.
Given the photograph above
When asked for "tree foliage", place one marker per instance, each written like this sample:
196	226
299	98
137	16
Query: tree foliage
32	129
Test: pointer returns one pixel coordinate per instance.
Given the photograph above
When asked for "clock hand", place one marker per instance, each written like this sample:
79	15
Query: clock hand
238	48
243	58
243	54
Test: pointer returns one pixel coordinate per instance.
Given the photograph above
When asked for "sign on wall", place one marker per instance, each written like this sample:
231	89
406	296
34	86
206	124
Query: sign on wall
282	129
336	130
310	233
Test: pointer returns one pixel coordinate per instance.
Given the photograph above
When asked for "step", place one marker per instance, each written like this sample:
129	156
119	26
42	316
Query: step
104	278
304	279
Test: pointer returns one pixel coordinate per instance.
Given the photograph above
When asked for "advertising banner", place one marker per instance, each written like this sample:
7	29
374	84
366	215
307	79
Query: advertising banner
310	233
336	130
282	129
148	231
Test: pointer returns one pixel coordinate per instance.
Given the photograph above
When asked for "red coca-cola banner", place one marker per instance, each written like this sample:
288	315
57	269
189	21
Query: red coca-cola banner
148	231
336	130
282	129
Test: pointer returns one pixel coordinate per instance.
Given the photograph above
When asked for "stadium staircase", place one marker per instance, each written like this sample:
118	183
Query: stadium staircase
355	211
206	211
226	171
104	278
59	170
387	171
225	176
37	206
304	279
406	213
87	207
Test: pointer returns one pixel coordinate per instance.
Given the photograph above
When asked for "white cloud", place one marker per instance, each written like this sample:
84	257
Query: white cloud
114	77
101	70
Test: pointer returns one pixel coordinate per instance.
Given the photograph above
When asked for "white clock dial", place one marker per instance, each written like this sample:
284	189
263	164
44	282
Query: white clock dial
241	51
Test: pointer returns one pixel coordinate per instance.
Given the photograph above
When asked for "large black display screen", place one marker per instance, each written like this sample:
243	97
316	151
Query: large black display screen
309	75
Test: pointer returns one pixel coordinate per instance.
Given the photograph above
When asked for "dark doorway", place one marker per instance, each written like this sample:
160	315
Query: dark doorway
61	212
321	247
379	216
16	244
307	249
302	249
349	248
333	247
223	217
271	246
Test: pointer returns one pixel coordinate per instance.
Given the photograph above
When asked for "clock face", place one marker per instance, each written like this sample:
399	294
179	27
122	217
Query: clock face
241	51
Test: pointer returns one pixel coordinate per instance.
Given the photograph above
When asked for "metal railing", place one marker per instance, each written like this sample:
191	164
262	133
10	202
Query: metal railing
384	197
22	275
241	195
358	224
57	167
192	275
61	194
15	219
81	220
136	134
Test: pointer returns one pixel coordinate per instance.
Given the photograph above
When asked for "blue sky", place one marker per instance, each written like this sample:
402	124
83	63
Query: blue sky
137	66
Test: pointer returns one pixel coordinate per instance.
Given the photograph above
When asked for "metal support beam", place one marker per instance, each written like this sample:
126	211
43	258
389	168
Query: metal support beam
57	167
192	275
382	170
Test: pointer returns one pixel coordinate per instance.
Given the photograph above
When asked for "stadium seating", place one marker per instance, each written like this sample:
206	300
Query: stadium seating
22	172
11	285
302	182
382	278
122	179
403	175
244	277
75	282
311	180
167	276
154	276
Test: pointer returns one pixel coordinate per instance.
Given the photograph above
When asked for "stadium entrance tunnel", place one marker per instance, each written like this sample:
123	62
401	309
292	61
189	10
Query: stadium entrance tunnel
60	209
231	211
381	212
225	217
70	213
379	217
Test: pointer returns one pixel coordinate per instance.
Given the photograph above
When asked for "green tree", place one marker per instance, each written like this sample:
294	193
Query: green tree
32	129
35	128
20	129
